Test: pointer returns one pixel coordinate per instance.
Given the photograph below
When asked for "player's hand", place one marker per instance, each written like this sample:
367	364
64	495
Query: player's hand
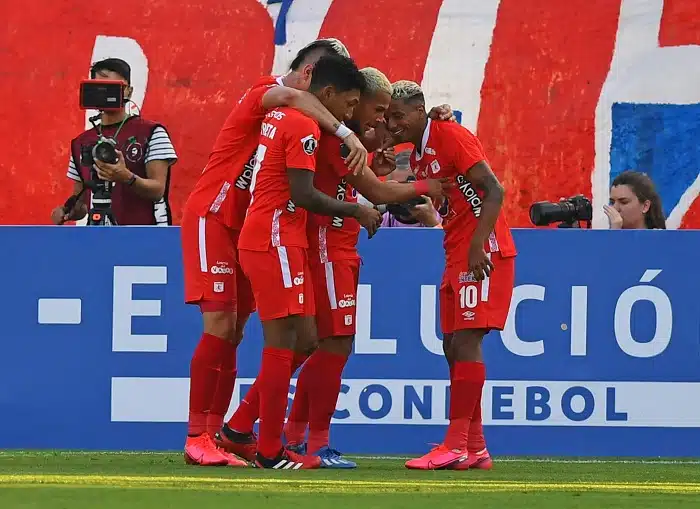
113	172
439	187
442	112
384	161
357	159
479	263
614	217
425	213
369	218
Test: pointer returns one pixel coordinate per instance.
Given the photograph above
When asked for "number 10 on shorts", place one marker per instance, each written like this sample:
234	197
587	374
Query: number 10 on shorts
468	297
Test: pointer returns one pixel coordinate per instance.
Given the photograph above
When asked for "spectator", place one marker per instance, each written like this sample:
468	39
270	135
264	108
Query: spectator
634	203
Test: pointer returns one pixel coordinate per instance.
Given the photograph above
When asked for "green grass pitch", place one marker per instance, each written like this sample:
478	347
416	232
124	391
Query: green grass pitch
77	480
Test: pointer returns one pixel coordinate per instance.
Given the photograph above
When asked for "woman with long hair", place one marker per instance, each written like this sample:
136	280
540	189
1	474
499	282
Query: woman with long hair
634	203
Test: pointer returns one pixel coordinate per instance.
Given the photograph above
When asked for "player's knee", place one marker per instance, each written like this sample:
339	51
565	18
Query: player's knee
447	346
221	324
339	345
466	343
239	328
307	335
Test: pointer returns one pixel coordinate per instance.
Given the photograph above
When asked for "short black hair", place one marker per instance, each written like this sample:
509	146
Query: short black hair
341	72
112	64
328	46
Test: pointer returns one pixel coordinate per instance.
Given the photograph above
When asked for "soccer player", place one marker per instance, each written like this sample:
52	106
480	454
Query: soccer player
335	265
273	247
479	271
212	219
333	178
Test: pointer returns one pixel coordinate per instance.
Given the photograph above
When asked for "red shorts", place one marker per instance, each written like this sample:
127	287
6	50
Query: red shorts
211	269
467	304
280	281
335	288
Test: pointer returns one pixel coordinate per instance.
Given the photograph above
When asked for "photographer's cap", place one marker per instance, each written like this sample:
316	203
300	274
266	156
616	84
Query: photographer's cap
112	64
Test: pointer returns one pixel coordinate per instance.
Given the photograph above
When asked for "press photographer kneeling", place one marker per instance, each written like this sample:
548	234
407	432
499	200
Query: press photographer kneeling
122	163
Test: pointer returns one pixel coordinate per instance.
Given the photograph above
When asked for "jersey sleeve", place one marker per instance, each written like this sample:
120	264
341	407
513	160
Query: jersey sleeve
254	97
465	150
72	172
160	147
302	136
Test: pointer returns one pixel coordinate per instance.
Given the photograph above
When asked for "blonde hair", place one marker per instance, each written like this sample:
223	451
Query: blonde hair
376	81
338	46
405	90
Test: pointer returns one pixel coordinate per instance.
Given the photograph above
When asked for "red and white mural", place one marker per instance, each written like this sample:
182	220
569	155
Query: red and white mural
562	94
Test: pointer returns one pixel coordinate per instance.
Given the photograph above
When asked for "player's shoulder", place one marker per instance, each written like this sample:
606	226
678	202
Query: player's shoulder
452	129
293	119
266	82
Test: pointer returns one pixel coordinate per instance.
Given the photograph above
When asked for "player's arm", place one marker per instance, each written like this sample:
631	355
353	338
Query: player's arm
378	192
305	195
483	179
309	104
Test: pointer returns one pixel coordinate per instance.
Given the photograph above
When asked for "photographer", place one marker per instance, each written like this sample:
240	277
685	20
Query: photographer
414	213
634	203
123	164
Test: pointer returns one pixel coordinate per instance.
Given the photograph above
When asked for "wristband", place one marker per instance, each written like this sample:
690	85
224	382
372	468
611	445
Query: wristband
343	131
422	187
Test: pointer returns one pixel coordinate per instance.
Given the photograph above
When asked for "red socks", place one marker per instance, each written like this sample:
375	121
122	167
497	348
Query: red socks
295	429
205	369
248	411
273	386
223	391
325	380
475	441
467	384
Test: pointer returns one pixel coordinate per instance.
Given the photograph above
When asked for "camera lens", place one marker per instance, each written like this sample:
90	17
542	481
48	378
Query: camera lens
105	152
543	213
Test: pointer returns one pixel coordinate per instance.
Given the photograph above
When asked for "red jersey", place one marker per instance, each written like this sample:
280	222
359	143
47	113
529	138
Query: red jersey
450	150
223	186
288	139
332	238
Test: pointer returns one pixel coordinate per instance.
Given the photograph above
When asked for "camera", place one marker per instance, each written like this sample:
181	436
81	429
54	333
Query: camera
402	211
104	150
103	95
567	212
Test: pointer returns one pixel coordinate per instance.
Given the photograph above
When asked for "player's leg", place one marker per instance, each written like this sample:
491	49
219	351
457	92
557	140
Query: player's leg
237	434
494	302
335	287
244	442
298	419
209	283
277	278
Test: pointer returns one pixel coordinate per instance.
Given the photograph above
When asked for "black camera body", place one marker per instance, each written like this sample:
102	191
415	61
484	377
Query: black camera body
567	212
104	150
402	211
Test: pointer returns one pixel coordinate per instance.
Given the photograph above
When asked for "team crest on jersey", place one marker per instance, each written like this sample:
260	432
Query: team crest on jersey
134	151
434	166
429	151
309	143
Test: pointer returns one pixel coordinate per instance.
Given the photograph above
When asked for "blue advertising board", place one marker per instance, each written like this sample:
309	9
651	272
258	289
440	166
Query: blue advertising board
600	355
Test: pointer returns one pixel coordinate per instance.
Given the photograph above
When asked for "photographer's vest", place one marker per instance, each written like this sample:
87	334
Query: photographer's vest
127	206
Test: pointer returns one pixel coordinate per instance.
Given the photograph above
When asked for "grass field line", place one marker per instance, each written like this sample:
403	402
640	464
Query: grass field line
500	459
336	485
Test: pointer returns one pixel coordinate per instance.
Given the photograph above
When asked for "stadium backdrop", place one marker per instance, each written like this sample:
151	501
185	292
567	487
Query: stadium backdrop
564	95
600	356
